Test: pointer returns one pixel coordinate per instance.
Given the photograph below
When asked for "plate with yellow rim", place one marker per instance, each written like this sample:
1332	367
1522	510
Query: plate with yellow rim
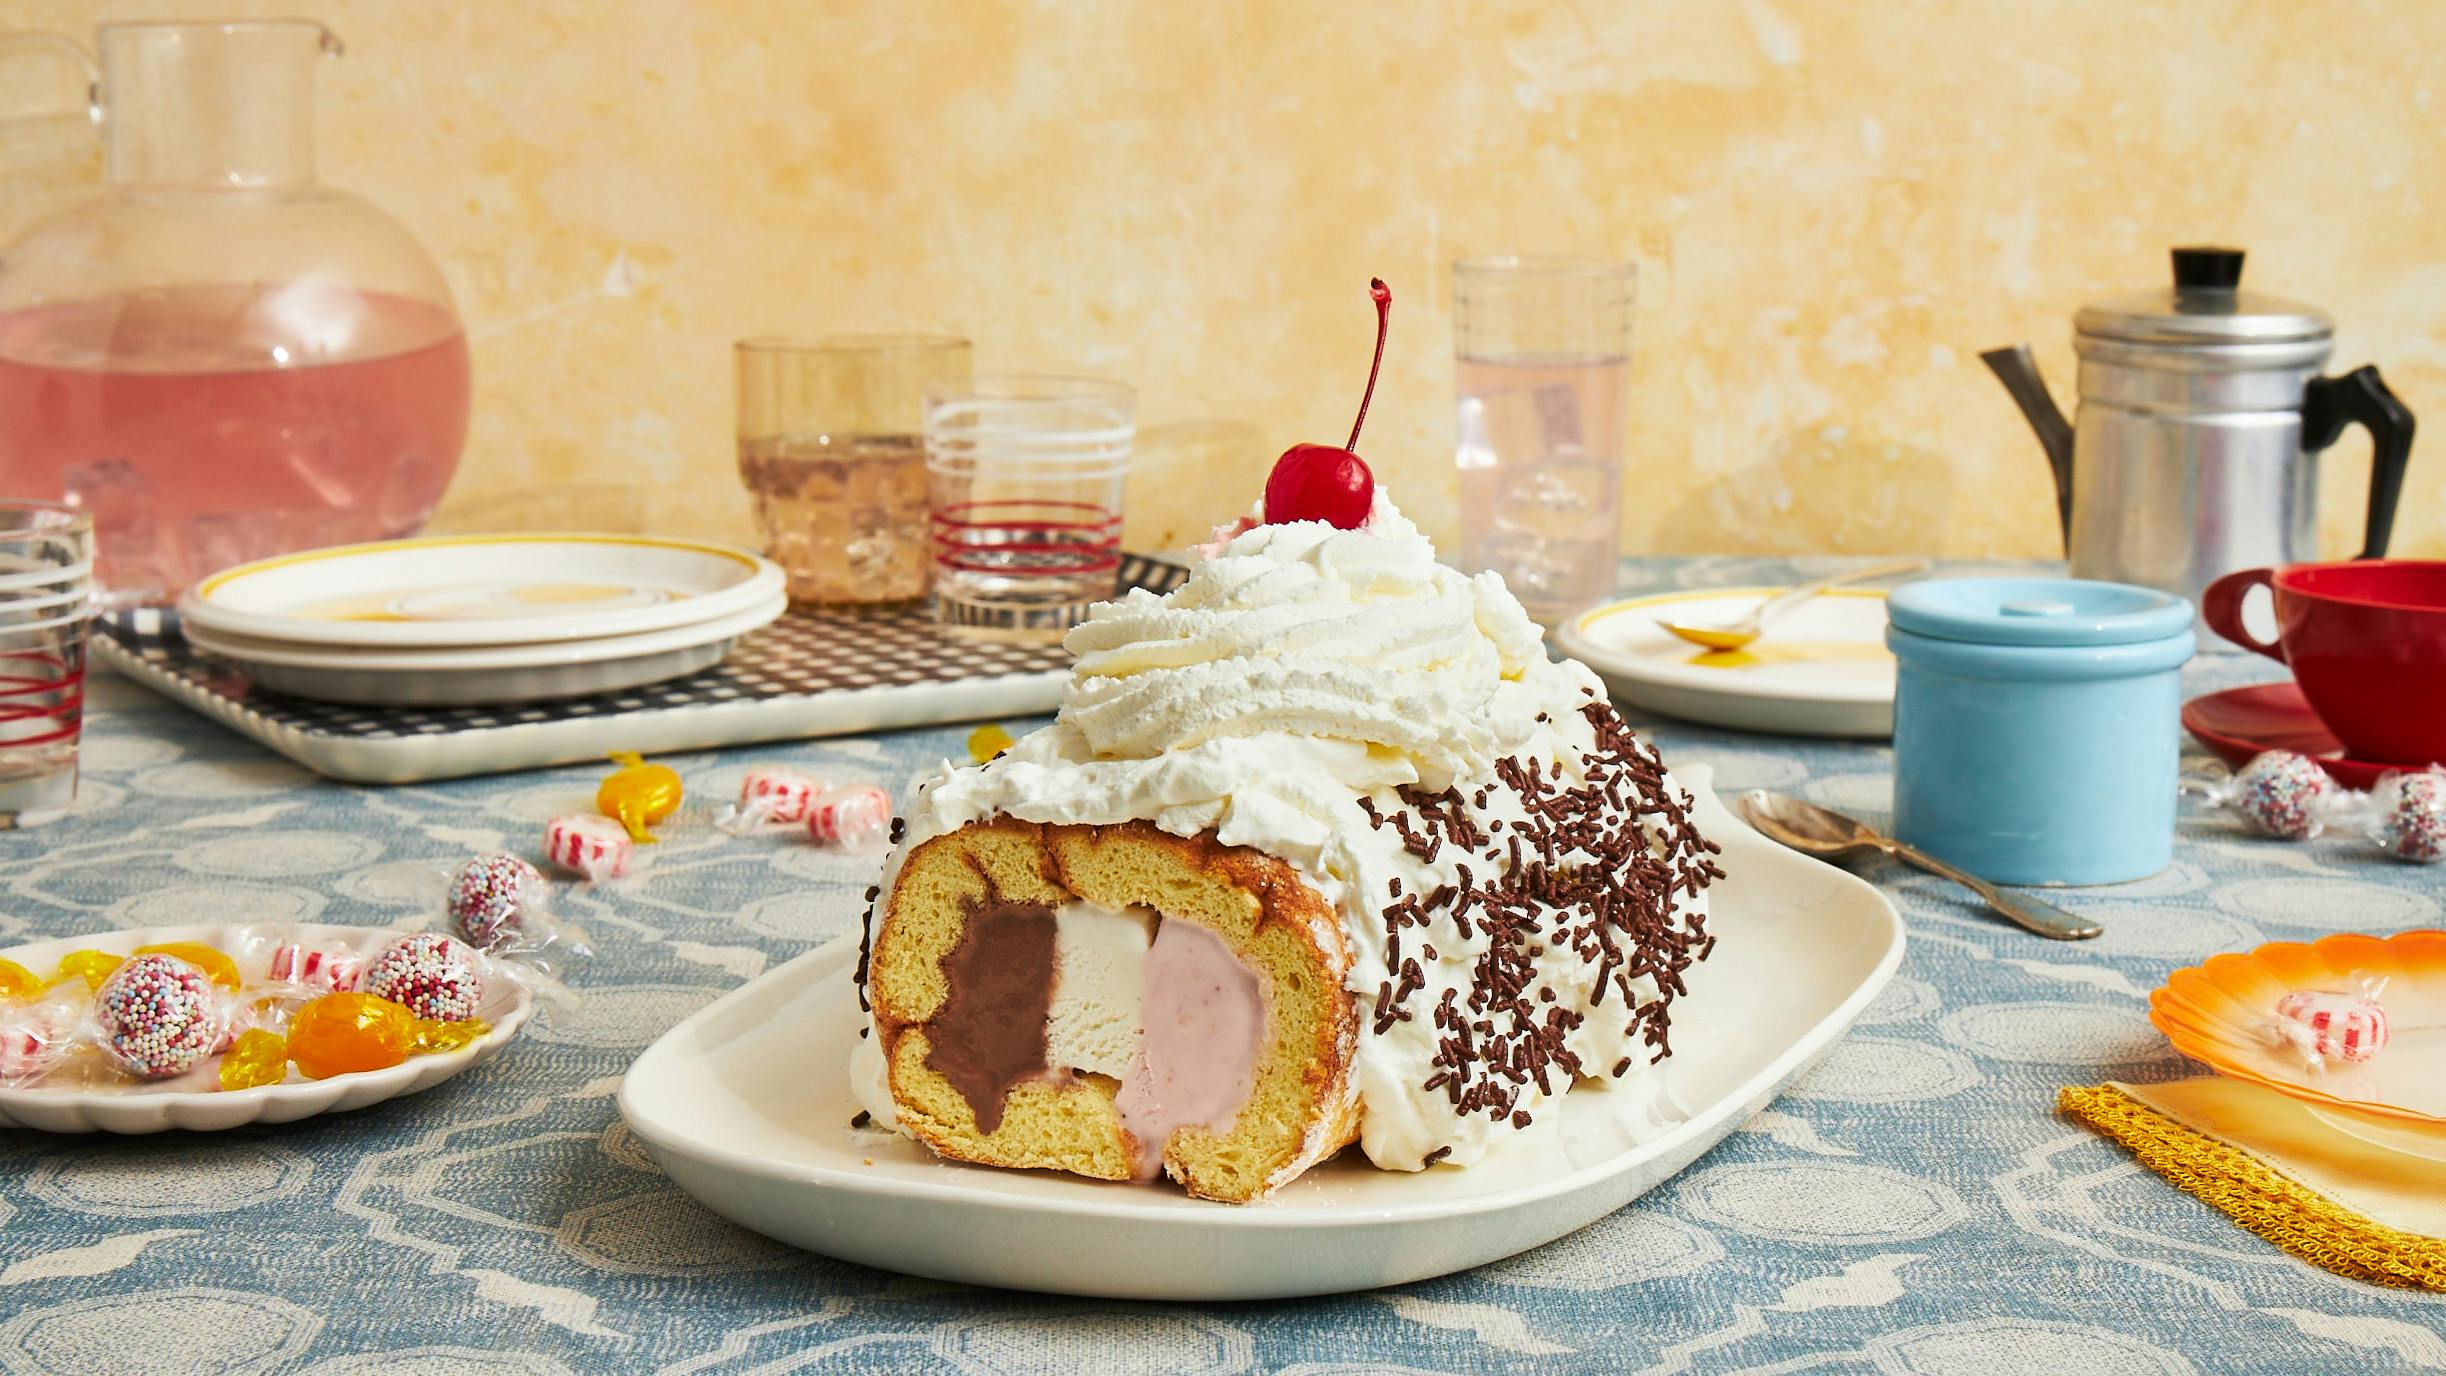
1822	668
459	591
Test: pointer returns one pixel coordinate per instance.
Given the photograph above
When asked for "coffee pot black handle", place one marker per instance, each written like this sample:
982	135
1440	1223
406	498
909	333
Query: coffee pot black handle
2330	404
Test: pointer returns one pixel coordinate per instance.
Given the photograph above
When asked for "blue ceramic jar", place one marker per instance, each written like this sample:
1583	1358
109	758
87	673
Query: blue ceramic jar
2037	725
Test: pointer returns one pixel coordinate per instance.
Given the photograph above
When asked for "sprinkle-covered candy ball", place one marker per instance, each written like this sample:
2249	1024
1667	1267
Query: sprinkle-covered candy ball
157	1016
2281	794
490	899
431	975
2331	1026
2412	823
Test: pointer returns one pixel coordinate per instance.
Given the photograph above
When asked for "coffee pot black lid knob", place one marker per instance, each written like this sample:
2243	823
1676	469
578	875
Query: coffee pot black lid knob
2205	266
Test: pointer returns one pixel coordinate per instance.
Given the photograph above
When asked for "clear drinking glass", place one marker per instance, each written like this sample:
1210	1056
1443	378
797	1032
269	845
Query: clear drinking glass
832	449
46	599
1027	476
1543	359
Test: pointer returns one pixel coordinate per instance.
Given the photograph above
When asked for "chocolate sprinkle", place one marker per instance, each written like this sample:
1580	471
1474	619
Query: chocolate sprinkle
862	1119
1436	1155
1593	868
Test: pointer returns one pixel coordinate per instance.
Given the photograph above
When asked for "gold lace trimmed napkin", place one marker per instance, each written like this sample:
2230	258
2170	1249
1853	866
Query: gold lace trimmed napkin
2338	1202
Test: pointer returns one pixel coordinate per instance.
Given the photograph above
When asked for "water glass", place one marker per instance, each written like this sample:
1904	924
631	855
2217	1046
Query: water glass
1542	360
831	449
1026	476
46	601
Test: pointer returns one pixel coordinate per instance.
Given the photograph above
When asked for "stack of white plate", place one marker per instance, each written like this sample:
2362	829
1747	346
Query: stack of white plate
459	620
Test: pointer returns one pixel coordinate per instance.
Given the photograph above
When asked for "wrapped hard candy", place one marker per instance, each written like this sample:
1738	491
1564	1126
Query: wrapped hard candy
592	847
156	1016
322	971
2328	1026
258	1058
2410	815
433	975
849	816
342	1034
34	1039
639	794
771	793
18	982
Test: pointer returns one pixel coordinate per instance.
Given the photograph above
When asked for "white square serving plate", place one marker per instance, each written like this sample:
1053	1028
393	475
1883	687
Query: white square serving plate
747	1105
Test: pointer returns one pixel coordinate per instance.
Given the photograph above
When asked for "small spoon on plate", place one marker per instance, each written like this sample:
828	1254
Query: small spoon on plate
1732	635
1829	835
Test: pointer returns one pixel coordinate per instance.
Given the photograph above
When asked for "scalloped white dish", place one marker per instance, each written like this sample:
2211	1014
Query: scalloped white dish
194	1103
747	1105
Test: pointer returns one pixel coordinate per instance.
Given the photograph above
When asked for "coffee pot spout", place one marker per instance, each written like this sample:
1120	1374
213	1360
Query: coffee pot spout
2018	371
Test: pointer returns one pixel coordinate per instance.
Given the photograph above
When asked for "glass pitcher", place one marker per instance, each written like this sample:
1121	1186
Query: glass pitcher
220	357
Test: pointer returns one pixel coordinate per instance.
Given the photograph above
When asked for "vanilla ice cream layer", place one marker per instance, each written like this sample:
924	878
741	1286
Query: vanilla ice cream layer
1099	987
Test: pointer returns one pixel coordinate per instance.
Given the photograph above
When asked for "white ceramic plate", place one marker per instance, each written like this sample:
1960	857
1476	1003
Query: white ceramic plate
194	1102
486	673
747	1105
1822	669
456	591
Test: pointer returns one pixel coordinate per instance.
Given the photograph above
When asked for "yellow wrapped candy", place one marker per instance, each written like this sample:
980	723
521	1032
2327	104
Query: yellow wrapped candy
433	1038
16	981
341	1033
256	1059
93	967
638	794
212	960
987	741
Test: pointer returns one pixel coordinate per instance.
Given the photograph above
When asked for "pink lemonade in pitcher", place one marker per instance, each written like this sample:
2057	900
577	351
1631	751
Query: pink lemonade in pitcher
206	425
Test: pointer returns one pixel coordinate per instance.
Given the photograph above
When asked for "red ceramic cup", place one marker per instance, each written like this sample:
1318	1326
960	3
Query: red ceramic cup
2367	642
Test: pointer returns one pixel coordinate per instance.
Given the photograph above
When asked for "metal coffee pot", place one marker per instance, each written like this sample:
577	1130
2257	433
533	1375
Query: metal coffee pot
2195	449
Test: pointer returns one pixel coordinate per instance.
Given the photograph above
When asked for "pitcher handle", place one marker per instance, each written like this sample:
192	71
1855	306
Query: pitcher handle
2221	608
2330	404
60	44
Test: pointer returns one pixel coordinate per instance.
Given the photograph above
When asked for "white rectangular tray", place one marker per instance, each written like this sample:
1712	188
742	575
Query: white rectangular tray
747	1105
812	673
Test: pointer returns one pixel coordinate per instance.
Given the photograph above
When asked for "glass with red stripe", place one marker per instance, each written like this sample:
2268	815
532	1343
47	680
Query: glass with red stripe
46	600
1024	480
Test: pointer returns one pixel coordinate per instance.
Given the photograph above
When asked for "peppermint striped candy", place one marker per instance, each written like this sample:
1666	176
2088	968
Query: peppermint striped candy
778	793
846	816
2334	1027
589	845
333	971
28	1050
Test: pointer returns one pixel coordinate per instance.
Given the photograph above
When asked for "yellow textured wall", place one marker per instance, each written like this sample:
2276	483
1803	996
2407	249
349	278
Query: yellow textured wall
1834	207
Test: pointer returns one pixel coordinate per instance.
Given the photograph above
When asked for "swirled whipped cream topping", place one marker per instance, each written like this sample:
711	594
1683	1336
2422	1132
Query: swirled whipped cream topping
1394	729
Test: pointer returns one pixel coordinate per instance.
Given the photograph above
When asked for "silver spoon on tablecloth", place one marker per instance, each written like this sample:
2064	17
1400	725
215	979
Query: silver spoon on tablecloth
1830	835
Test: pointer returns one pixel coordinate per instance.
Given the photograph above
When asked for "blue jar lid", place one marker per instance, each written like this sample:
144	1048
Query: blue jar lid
2036	611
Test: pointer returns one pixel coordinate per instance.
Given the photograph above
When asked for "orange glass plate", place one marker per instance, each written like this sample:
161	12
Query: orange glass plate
2220	1012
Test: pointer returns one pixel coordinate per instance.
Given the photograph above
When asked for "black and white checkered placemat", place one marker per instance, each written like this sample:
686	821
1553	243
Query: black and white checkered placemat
801	660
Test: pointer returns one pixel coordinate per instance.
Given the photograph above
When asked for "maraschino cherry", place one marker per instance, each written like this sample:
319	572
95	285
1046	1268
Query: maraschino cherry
1317	482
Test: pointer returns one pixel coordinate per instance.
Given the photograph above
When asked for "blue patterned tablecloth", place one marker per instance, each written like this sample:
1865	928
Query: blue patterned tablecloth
1914	1206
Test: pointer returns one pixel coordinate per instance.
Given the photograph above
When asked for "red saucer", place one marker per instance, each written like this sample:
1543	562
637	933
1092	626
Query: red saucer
2239	723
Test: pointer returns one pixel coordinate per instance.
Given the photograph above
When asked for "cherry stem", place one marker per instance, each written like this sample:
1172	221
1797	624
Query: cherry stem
1382	295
